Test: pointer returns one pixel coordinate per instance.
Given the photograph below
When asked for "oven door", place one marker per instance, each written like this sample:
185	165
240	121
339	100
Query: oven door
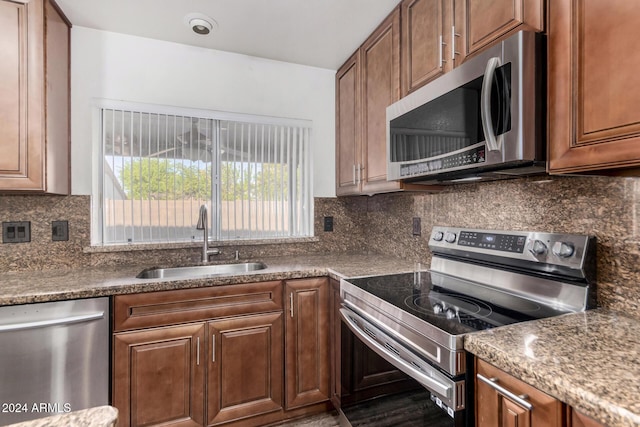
444	398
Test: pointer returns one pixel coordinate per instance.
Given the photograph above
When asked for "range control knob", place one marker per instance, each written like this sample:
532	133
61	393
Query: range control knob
563	249
450	237
438	308
538	248
438	235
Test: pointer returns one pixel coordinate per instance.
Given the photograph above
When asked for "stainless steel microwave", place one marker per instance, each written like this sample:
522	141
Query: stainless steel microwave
482	120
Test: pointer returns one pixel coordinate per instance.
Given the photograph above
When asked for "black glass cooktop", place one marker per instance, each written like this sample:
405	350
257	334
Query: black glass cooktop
454	312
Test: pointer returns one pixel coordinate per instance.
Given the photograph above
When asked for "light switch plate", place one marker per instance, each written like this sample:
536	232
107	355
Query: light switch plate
59	231
16	232
416	227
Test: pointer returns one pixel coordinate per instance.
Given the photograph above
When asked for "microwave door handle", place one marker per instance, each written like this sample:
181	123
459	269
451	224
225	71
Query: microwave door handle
493	142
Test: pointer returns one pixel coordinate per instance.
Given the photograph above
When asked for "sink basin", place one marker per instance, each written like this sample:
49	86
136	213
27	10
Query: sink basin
200	271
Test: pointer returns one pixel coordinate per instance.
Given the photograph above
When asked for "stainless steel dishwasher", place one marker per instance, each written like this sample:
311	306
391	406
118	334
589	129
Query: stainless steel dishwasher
54	358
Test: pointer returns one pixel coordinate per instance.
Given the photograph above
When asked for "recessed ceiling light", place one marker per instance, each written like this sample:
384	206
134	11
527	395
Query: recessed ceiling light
200	24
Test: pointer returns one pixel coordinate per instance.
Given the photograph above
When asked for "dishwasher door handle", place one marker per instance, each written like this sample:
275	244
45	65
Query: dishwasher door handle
52	322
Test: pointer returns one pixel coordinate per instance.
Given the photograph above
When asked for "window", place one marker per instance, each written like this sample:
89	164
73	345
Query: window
253	173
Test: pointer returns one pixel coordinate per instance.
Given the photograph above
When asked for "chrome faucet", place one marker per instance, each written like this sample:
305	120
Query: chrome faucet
203	225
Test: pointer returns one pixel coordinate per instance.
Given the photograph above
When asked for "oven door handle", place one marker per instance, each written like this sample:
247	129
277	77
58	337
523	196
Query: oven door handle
432	384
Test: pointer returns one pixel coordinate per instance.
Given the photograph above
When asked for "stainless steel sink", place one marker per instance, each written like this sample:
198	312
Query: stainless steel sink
200	271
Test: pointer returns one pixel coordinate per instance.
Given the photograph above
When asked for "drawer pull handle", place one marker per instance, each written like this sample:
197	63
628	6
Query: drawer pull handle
213	348
493	382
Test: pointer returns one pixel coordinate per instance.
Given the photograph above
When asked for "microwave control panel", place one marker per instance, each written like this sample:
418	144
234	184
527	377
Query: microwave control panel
455	161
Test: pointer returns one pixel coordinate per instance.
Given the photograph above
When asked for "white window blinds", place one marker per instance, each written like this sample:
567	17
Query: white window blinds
158	168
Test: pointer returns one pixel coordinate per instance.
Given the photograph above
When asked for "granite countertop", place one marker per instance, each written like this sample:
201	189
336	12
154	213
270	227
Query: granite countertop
588	360
101	416
53	285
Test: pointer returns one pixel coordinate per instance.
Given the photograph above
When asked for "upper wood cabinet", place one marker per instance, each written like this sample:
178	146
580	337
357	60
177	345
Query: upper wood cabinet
490	20
365	86
432	40
34	106
348	128
594	100
380	59
502	400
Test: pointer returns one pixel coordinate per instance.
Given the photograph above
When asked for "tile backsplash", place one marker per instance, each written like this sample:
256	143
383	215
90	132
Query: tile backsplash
606	207
42	253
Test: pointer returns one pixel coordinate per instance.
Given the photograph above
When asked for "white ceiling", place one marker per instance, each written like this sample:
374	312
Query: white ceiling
319	33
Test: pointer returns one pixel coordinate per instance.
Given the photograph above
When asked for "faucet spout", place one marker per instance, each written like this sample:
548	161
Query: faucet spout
203	224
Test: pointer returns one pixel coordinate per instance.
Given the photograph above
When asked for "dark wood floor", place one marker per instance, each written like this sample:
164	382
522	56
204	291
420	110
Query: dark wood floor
410	409
413	408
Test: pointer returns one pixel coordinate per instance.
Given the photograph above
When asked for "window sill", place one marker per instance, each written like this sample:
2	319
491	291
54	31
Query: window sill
130	247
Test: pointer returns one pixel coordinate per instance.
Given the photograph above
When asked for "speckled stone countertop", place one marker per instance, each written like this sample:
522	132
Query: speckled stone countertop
101	416
588	360
54	285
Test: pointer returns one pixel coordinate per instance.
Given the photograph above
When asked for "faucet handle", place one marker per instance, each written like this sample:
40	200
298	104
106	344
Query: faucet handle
202	218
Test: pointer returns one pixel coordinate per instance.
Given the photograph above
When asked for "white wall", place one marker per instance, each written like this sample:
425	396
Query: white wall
114	66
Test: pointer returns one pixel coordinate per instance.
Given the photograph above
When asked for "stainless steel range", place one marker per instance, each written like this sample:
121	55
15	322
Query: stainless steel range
478	279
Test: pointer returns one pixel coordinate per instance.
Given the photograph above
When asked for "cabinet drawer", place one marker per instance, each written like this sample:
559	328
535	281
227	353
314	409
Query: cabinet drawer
187	305
503	400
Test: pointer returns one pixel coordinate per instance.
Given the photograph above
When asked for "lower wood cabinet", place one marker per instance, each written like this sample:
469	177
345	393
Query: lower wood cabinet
244	361
307	341
159	376
581	420
504	401
220	355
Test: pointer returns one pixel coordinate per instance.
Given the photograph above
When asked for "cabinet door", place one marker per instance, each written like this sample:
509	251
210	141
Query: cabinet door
34	106
497	402
307	342
490	20
244	367
20	25
594	101
380	56
348	127
158	376
425	25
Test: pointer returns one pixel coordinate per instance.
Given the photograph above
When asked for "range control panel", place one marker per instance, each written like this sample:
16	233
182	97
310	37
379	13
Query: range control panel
567	251
495	241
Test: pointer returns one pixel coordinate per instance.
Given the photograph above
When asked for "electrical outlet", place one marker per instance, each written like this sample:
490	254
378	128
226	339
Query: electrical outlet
16	232
328	223
416	228
59	231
